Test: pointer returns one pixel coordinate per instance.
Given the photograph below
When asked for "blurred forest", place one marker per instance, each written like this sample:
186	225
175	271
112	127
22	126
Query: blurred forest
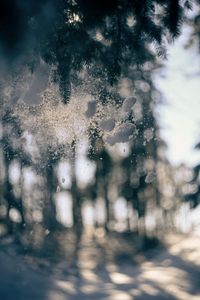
117	187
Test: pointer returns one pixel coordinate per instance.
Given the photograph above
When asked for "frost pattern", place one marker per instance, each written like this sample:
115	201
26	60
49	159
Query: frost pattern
54	124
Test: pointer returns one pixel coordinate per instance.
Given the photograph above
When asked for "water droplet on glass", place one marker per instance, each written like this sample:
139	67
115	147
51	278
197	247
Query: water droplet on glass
47	231
151	176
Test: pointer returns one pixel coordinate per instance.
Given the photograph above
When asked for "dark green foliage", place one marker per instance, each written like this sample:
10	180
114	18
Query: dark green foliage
194	198
63	33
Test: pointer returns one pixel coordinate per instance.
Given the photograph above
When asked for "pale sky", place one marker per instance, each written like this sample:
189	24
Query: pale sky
180	117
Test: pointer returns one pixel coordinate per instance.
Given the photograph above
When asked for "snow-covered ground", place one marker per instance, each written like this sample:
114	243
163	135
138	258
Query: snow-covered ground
171	273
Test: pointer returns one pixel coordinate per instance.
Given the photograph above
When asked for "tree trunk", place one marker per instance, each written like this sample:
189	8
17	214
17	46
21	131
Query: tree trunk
49	212
76	198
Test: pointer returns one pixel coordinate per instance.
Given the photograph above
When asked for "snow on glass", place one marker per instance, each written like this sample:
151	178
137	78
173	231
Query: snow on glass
54	123
49	123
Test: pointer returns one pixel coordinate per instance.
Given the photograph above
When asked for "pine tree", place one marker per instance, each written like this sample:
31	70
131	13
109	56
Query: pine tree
72	34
